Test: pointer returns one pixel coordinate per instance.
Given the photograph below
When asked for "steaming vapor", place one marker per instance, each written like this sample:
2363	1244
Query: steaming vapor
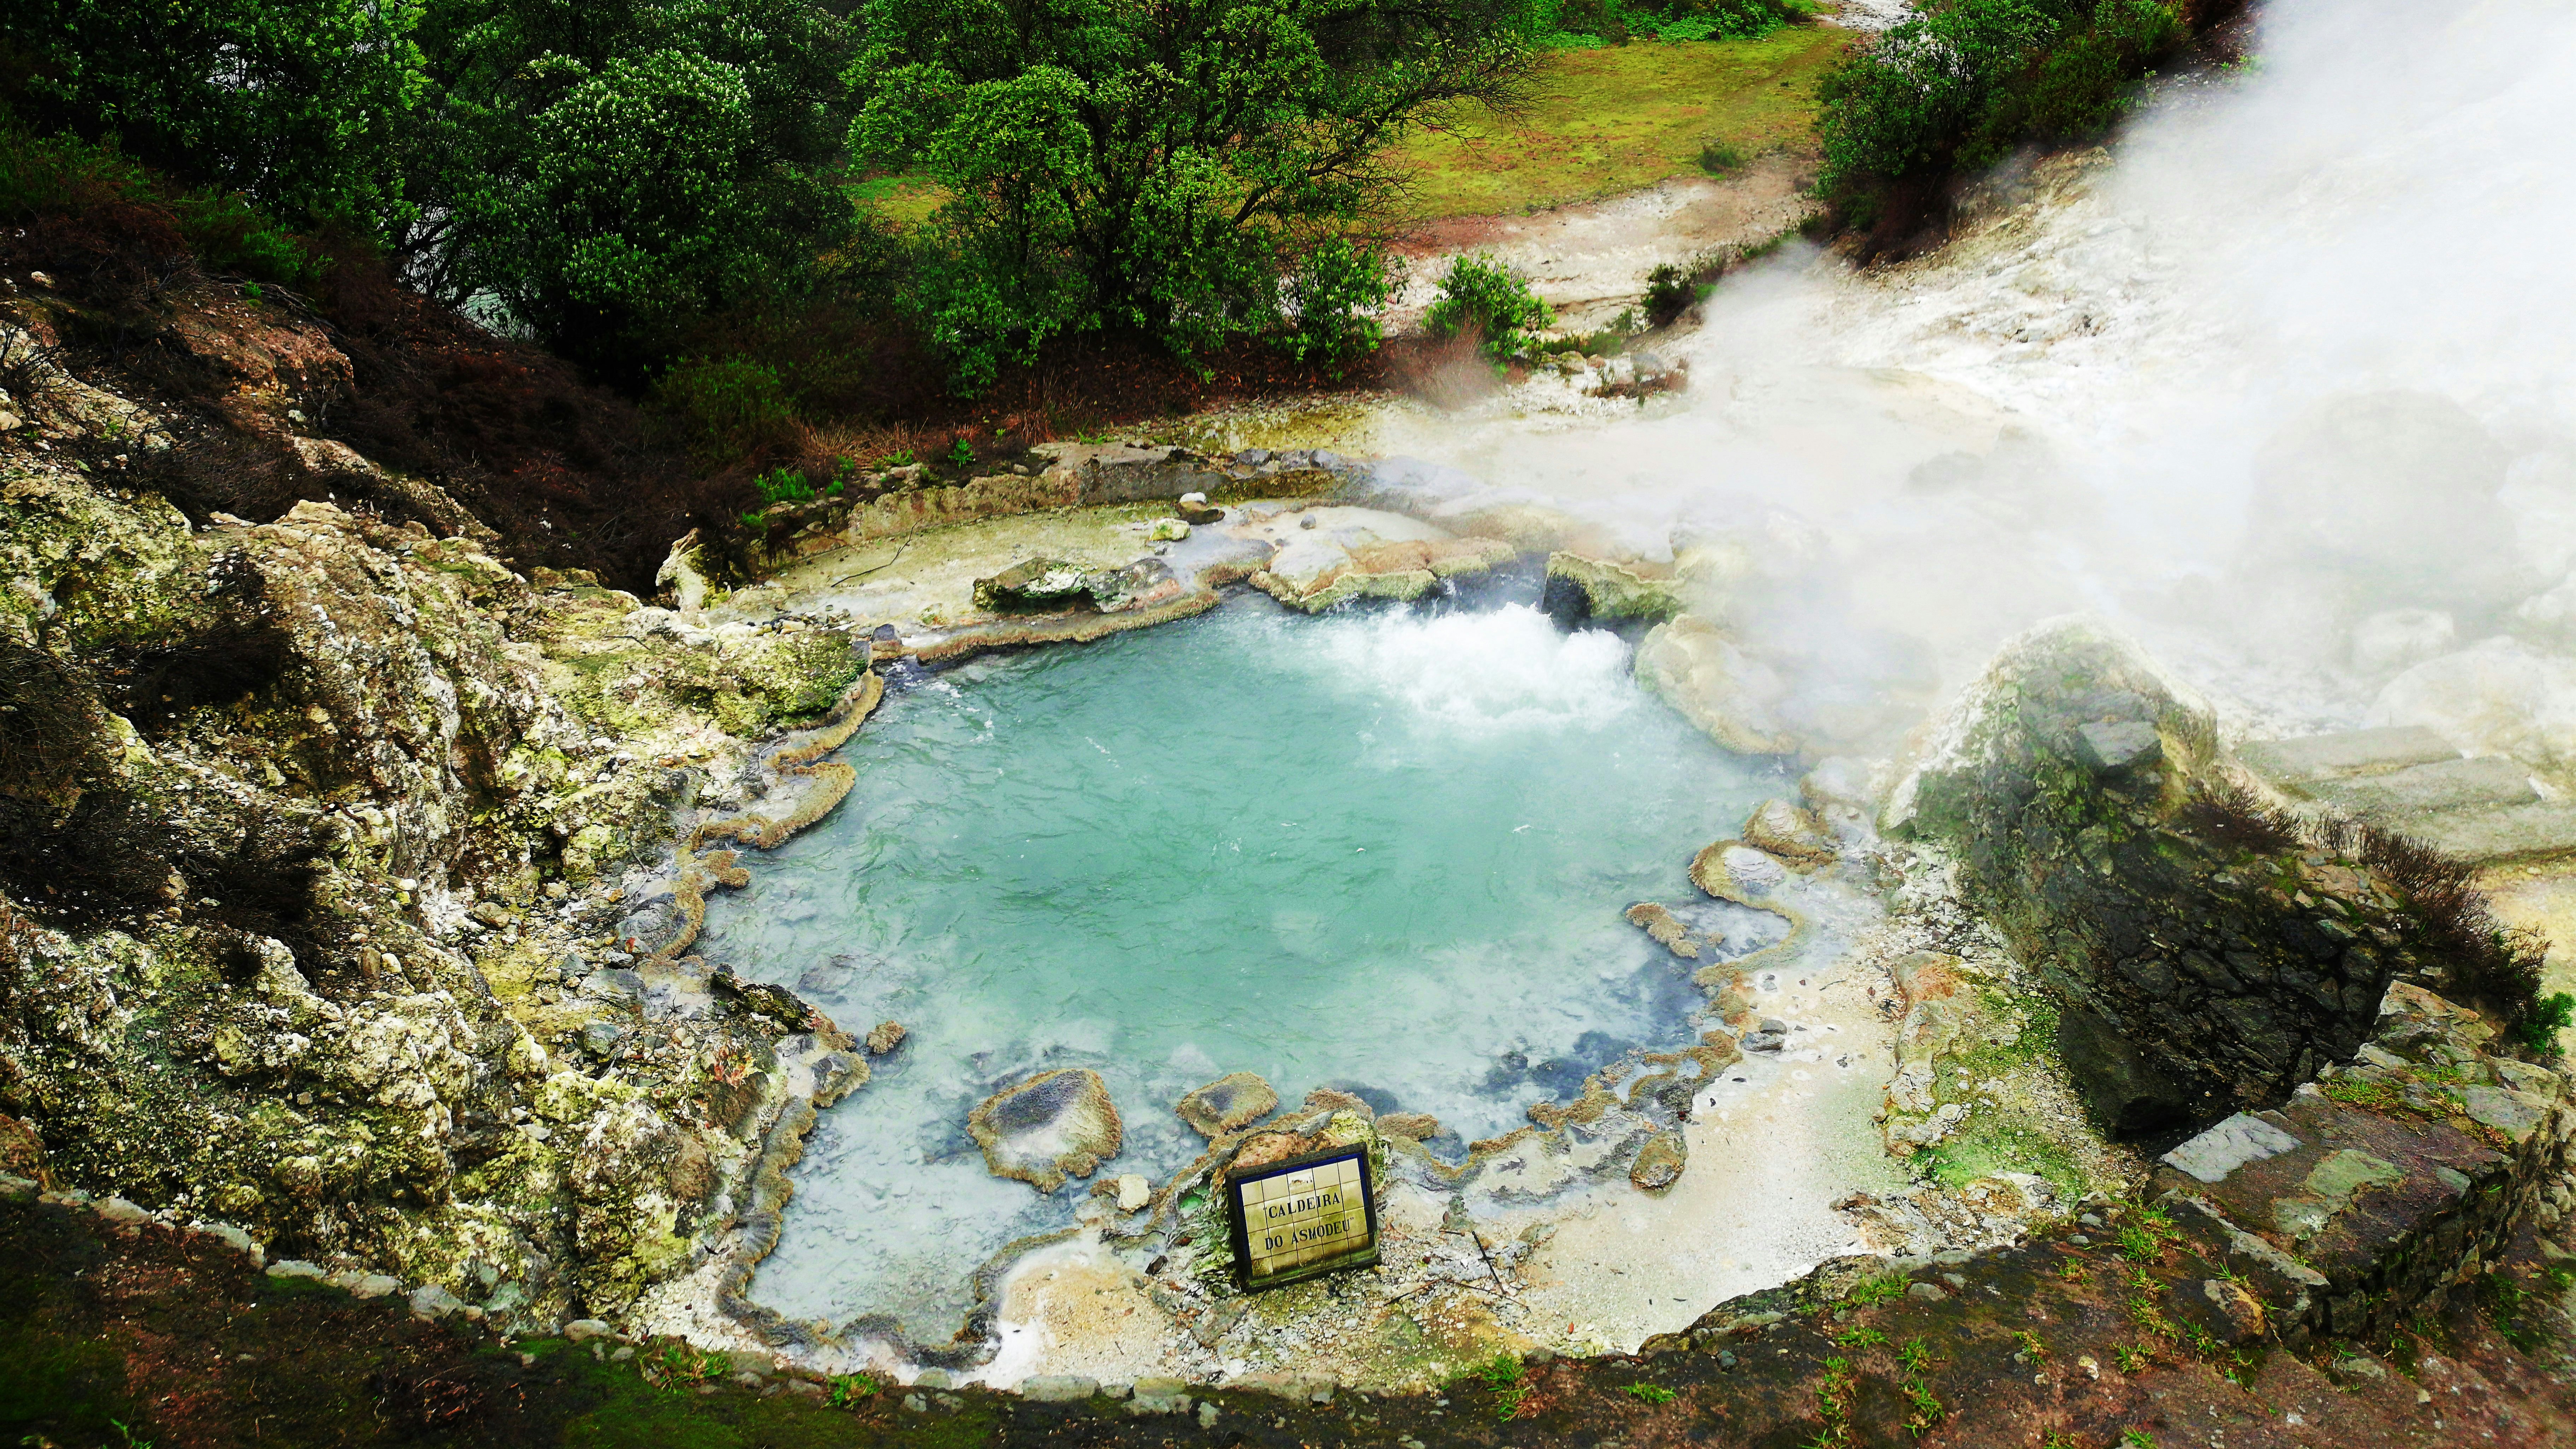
2286	381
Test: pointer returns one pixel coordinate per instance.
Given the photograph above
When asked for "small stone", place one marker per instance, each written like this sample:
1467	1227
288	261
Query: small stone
884	1037
375	1285
1926	1292
1134	1192
933	1378
1058	1388
431	1301
1768	1035
1207	1414
1167	530
583	1330
601	1038
1159	1395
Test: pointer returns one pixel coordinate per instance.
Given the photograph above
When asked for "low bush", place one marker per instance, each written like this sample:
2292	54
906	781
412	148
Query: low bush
1333	299
1958	87
1585	24
1492	303
723	408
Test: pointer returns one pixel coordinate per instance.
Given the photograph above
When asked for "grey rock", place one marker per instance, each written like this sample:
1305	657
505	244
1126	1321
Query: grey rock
375	1285
2126	745
2445	785
934	1378
1926	1292
2241	1139
1058	1388
2351	752
602	1038
1768	1035
583	1330
1159	1396
431	1301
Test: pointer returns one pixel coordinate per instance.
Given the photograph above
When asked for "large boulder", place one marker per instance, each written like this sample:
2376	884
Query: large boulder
1054	1125
2206	955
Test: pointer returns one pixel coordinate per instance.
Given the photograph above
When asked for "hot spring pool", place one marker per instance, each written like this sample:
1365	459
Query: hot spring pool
1382	851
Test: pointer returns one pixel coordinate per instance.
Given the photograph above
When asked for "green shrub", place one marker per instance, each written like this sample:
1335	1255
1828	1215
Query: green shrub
2538	1030
1158	170
1957	87
723	408
1717	157
1332	299
66	176
1669	293
1490	302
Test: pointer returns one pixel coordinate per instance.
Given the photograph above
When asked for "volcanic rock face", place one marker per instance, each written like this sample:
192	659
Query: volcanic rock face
1054	1125
1228	1105
303	824
2208	956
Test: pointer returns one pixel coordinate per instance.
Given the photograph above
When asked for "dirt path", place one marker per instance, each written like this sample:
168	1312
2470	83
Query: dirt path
1590	261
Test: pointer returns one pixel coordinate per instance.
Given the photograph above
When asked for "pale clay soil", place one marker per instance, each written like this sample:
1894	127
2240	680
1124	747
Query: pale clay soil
1590	261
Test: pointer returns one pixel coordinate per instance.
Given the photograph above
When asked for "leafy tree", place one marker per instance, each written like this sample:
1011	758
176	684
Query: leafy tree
609	172
1158	169
296	103
1959	85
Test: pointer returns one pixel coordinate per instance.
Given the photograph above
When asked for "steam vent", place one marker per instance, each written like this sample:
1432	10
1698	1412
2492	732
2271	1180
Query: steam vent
1757	723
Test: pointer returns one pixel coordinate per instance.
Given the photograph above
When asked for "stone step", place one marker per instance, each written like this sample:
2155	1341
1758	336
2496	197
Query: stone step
2514	832
2350	752
2453	784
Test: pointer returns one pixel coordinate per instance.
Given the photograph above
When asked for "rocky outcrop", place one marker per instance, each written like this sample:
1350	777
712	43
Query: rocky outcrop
1045	586
1227	1105
2367	1196
1328	556
1055	1125
315	902
2208	955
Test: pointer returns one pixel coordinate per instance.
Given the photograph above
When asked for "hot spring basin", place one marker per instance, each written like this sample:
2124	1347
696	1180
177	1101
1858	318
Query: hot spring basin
1386	852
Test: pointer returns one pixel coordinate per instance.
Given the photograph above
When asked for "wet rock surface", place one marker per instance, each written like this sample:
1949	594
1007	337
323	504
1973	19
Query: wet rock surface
1227	1105
1055	1125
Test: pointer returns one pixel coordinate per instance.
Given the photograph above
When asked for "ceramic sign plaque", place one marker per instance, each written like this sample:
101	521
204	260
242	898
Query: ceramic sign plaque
1294	1220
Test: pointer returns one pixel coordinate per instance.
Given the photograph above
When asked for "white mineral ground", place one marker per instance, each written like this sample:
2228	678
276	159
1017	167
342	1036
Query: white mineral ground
2090	370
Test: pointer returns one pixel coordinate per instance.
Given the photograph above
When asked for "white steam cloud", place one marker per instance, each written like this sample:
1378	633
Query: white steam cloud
2288	383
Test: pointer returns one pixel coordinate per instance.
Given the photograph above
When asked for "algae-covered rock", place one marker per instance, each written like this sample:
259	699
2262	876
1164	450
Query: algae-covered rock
1054	1125
1227	1105
1580	588
1660	1162
2207	955
1790	833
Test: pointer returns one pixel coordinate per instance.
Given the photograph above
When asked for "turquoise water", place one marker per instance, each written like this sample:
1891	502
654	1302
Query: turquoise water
1383	851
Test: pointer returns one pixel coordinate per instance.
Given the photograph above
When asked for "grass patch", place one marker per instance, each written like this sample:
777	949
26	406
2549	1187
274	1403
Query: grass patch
1621	117
906	201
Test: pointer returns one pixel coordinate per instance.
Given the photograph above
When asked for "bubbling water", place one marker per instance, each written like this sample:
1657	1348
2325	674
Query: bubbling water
1388	852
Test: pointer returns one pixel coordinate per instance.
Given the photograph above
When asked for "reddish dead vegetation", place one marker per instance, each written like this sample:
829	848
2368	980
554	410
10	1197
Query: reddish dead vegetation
566	472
